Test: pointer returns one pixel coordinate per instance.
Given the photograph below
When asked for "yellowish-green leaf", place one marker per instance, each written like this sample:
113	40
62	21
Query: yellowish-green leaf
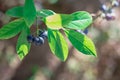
54	21
23	46
57	44
23	50
81	42
77	20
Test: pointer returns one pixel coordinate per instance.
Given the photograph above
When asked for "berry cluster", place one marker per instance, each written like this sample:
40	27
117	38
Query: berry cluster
39	39
107	10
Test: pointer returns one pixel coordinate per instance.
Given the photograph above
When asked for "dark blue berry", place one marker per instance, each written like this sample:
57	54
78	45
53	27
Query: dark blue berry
43	34
86	31
30	38
103	8
42	40
80	31
110	18
38	40
115	3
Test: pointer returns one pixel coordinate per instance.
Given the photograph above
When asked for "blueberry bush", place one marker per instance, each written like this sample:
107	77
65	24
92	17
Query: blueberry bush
74	26
50	30
26	15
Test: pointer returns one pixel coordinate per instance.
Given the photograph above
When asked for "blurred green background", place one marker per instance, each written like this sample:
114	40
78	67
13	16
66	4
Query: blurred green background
41	64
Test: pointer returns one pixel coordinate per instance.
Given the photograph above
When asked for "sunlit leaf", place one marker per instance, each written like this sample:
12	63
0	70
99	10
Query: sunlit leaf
29	12
80	20
58	21
57	44
11	29
15	11
81	42
54	21
23	46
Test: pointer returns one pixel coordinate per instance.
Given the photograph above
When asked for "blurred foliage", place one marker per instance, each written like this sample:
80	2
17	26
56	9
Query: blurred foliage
78	66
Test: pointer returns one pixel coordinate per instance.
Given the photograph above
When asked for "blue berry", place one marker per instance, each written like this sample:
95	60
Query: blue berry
115	3
43	34
86	31
80	31
30	38
103	8
42	40
109	17
83	32
38	40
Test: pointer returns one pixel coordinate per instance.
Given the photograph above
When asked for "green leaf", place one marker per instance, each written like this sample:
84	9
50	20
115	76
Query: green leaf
45	13
23	46
80	20
81	42
11	29
15	11
57	44
29	12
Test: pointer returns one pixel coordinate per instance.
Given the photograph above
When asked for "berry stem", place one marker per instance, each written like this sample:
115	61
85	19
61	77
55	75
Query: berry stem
37	26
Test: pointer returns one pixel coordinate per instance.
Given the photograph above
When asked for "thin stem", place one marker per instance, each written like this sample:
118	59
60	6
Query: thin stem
37	26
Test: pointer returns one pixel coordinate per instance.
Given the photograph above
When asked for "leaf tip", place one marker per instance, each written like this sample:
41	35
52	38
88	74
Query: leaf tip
63	60
22	51
95	53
